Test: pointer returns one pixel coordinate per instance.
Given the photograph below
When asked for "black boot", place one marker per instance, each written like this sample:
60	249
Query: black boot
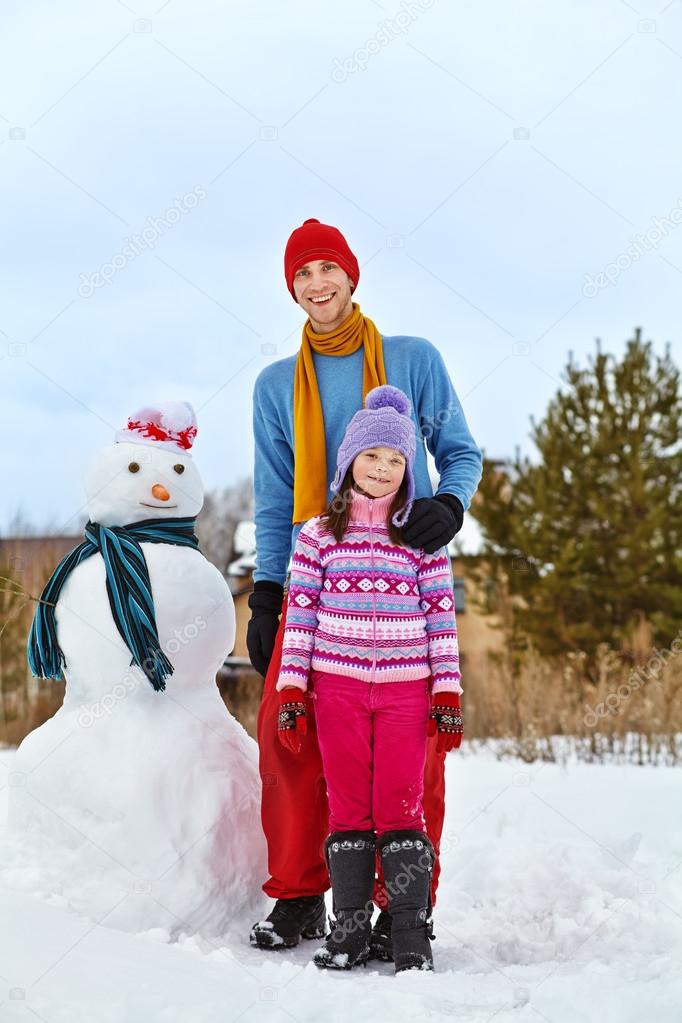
381	942
351	857
291	920
381	939
408	858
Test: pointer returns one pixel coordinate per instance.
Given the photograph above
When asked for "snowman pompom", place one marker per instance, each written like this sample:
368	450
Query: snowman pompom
177	416
388	397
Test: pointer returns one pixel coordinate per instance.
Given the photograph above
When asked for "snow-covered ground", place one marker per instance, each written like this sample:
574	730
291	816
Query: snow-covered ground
561	900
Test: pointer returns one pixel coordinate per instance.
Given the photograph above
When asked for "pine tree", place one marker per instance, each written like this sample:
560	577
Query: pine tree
590	533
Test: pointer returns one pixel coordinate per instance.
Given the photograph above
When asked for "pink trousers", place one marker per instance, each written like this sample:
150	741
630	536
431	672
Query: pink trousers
372	738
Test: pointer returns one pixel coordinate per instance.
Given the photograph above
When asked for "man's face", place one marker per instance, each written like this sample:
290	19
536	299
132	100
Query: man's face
323	290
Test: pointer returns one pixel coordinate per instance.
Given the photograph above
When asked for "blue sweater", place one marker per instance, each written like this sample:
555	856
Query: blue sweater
415	366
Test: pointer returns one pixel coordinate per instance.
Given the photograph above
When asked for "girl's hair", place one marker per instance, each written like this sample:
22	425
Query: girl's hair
337	512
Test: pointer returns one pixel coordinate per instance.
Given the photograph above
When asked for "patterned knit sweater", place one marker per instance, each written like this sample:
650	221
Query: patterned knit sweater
368	608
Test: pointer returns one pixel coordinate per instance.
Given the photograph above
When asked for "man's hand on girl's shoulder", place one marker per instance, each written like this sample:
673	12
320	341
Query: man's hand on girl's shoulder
433	521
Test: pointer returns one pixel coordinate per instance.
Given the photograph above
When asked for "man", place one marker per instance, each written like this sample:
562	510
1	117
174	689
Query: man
301	407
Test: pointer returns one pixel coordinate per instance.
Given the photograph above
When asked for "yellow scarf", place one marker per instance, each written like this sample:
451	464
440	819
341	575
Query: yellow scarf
310	459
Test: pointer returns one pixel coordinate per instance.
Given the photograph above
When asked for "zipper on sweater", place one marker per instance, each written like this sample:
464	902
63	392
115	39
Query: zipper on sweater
374	598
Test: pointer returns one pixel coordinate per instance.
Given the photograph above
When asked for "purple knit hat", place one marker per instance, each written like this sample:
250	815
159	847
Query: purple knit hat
385	421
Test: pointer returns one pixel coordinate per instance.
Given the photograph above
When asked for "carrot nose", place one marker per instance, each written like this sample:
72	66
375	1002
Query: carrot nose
160	492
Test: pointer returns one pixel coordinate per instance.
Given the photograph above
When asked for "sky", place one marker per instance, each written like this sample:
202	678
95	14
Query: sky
507	174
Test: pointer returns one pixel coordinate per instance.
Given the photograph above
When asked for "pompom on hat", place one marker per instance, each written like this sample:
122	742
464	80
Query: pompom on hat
385	421
171	425
313	240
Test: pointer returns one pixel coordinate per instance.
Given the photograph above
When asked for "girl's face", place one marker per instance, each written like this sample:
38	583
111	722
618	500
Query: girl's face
378	471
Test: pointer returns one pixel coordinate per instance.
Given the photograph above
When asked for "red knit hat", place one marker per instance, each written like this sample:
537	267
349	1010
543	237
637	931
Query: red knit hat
313	240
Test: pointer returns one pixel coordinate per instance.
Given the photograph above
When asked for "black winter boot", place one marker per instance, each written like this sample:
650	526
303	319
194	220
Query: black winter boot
380	942
407	858
351	858
291	920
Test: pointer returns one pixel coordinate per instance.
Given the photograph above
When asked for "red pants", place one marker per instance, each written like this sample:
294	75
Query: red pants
294	806
373	744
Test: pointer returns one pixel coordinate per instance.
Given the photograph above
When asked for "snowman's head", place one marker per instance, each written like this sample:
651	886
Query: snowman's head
149	472
129	482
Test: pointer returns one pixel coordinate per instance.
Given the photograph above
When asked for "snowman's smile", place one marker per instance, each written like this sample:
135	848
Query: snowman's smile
158	505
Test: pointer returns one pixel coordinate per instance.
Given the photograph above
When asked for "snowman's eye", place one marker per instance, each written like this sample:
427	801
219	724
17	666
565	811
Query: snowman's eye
134	467
179	469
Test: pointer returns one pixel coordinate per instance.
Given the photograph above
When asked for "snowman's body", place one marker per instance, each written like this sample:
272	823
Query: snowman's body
138	804
194	615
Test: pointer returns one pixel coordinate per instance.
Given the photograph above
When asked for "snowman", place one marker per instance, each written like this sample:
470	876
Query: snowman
137	804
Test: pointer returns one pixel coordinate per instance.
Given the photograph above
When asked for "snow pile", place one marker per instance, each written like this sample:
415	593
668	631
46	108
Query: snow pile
142	830
553	865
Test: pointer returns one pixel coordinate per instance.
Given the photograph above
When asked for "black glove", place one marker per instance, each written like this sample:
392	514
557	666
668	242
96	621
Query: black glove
266	606
433	521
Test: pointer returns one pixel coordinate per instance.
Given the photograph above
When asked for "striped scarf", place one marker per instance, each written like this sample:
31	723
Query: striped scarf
128	589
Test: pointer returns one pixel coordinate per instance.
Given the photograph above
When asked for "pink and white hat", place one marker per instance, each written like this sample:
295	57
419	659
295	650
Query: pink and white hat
171	425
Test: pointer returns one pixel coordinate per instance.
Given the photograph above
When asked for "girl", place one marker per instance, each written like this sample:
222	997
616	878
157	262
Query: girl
370	625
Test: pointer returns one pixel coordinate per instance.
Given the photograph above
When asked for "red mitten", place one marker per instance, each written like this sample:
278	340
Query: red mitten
292	723
446	719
